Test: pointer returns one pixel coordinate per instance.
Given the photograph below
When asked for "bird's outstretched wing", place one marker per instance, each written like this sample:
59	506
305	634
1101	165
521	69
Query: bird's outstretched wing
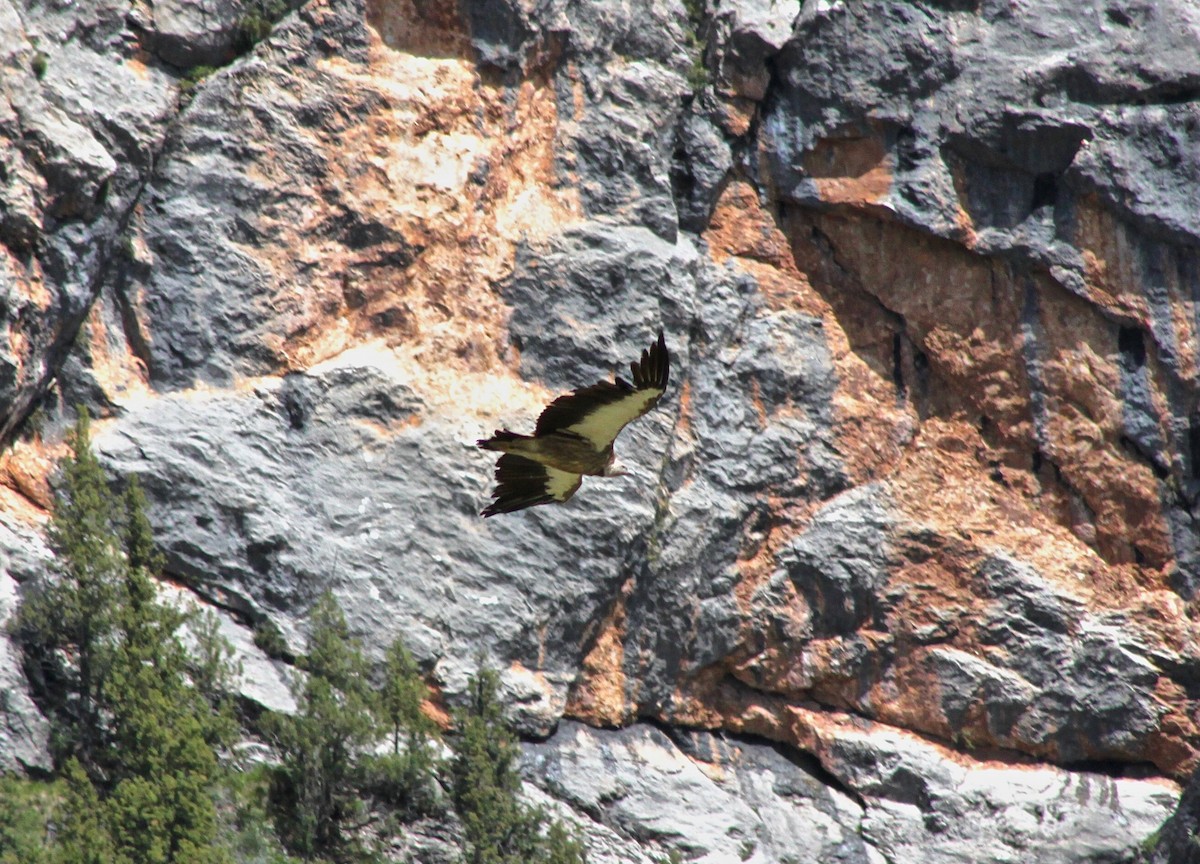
522	483
599	412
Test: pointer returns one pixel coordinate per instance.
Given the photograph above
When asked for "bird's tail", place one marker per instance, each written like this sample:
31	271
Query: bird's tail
500	439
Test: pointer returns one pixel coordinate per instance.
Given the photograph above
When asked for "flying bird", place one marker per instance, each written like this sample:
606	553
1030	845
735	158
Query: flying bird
574	436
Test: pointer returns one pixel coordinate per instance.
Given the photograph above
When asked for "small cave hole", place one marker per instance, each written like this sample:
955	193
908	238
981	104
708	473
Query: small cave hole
1132	346
1045	191
1118	16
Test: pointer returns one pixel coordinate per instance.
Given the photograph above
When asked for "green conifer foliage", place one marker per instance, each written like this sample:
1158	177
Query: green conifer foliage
403	778
26	808
214	671
315	797
136	736
142	717
140	551
247	830
401	696
163	768
74	615
83	836
497	826
161	808
563	846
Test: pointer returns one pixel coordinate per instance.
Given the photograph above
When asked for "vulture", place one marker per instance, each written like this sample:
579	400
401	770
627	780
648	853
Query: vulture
574	436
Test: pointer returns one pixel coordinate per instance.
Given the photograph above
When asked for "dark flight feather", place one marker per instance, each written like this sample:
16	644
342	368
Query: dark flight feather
574	436
650	377
524	483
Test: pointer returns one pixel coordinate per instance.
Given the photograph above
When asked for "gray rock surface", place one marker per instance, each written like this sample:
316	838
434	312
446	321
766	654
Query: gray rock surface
1176	841
344	432
24	732
1023	118
81	121
189	33
1001	131
921	806
1084	696
257	678
212	329
1016	92
714	800
744	37
891	797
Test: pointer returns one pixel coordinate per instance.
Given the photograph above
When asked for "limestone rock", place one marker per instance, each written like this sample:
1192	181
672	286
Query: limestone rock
746	37
1175	843
24	732
921	806
188	33
716	800
894	799
915	521
81	119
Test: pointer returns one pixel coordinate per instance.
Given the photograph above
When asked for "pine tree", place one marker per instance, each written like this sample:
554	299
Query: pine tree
315	794
161	808
83	836
563	846
162	769
401	696
498	828
213	670
74	615
26	808
140	552
135	737
403	778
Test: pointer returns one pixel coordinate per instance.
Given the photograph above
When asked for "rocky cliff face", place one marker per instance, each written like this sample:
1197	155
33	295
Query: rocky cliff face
907	569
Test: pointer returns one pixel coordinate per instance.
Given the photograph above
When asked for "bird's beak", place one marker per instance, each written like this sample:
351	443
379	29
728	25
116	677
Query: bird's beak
616	469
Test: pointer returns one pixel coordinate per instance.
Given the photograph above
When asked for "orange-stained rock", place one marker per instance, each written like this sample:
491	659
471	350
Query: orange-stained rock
872	427
25	469
850	171
601	691
452	165
934	518
1006	444
420	27
998	343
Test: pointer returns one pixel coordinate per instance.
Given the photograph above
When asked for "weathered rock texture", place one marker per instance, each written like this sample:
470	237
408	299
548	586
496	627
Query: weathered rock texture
1176	844
915	522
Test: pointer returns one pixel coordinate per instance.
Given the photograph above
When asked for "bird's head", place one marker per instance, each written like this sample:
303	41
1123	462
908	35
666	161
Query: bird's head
615	468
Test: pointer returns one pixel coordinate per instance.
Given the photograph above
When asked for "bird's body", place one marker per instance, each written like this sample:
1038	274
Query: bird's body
565	451
574	437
